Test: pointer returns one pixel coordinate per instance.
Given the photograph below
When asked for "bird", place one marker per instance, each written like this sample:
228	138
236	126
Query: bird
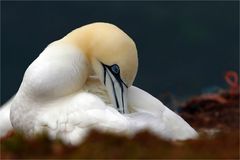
84	81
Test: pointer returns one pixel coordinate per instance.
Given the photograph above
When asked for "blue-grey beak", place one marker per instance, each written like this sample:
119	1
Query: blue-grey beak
116	88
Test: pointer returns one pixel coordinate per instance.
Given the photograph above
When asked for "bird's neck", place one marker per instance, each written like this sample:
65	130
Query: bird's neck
80	38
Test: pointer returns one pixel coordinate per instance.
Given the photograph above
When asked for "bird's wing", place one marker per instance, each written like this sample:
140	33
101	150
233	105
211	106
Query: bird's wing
153	114
5	123
168	126
176	127
141	101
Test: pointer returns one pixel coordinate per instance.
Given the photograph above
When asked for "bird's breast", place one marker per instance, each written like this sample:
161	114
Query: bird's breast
94	86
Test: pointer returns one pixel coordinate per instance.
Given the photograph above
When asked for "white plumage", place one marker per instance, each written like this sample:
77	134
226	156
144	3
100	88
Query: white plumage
60	94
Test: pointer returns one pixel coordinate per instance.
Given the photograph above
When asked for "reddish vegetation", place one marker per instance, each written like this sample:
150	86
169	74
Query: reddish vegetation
219	111
216	110
143	145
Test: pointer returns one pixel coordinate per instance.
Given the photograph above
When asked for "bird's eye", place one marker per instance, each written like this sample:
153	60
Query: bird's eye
115	68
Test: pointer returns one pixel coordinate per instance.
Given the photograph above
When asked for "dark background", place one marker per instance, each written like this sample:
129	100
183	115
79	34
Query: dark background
184	47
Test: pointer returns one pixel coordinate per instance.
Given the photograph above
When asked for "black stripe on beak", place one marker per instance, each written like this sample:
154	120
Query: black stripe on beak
116	74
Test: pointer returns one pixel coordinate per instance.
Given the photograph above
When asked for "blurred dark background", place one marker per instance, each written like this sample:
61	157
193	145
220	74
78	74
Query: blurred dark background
184	47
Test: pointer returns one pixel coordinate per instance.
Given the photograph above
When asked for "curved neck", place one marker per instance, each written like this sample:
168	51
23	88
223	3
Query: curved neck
80	38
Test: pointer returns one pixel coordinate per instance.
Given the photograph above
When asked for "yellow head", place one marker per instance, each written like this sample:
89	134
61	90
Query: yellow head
112	54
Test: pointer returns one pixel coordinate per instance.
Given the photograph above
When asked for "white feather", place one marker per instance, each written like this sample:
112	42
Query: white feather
57	95
5	125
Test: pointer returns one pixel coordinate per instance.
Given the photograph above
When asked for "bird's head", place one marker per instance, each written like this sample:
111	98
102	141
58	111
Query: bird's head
113	56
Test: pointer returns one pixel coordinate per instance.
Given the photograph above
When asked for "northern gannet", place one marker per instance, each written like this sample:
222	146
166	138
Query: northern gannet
84	81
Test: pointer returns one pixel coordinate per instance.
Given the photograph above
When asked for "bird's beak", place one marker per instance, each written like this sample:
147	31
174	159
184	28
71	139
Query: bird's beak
116	89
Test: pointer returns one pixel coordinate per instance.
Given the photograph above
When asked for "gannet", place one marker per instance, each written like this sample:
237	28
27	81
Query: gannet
84	81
